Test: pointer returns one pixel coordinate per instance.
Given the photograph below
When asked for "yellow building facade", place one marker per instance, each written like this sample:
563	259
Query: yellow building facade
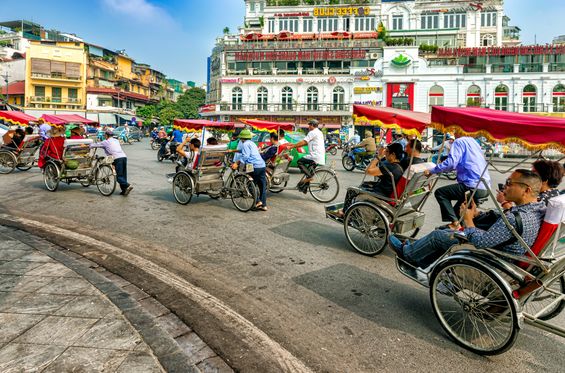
56	75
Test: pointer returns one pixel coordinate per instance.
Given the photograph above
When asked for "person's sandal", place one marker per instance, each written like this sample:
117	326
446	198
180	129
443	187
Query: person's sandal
262	208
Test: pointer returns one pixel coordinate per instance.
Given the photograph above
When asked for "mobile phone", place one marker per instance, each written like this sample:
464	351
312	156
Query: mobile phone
468	196
500	187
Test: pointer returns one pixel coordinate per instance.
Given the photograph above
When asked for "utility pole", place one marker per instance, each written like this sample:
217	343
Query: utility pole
6	80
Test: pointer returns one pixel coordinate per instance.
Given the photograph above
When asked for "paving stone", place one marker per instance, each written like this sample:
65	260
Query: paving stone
12	244
116	334
117	280
87	306
66	286
195	348
173	325
214	365
11	254
27	358
13	325
52	269
34	256
139	361
36	303
56	330
79	359
18	268
153	307
24	284
135	292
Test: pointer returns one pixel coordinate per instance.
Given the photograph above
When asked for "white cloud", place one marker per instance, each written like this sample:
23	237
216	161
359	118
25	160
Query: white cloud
138	10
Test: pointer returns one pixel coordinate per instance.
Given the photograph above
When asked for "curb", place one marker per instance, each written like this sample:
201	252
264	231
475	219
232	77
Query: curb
161	330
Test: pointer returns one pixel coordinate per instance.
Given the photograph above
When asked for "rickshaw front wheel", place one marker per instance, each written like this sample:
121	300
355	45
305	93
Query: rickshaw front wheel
325	186
366	228
183	188
7	162
26	166
474	306
51	177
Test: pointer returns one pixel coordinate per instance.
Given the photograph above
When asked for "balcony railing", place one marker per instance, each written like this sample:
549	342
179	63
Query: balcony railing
55	100
279	107
474	69
57	76
502	68
557	67
531	68
301	44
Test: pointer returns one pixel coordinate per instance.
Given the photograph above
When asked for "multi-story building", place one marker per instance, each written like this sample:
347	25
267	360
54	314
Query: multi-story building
55	77
295	59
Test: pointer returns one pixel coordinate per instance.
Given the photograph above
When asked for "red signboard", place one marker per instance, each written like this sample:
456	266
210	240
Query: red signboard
400	95
502	51
207	108
311	55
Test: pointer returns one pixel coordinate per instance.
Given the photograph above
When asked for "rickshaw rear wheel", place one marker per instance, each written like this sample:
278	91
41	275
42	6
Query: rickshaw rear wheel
544	297
245	193
183	188
105	180
51	176
474	306
7	162
348	163
325	186
25	167
366	228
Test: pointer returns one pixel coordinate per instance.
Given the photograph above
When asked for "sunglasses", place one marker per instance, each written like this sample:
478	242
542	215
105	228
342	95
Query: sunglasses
512	182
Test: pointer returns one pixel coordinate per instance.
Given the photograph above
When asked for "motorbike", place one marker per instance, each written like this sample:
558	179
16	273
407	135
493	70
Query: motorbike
167	151
331	148
350	162
154	142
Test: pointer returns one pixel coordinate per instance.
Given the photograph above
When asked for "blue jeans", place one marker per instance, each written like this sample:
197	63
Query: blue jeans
121	165
429	248
259	176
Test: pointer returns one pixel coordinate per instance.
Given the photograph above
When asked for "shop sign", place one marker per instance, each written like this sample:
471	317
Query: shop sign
301	55
301	14
363	78
299	80
207	108
366	90
371	102
369	72
332	80
401	61
502	51
231	80
341	11
252	81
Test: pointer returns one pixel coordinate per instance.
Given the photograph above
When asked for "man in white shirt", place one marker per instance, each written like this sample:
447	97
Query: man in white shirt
316	154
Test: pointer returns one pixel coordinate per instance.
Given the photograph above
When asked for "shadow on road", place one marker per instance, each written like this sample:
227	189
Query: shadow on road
322	235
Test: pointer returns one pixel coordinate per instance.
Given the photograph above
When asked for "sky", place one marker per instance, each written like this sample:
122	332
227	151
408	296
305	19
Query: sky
176	36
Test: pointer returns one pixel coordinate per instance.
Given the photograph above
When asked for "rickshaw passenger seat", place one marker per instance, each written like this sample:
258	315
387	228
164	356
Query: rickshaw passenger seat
554	216
408	176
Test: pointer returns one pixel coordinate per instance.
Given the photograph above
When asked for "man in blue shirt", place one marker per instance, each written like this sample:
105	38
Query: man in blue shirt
466	157
248	153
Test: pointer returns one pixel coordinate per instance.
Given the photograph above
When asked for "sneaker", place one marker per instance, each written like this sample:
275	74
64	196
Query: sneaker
128	190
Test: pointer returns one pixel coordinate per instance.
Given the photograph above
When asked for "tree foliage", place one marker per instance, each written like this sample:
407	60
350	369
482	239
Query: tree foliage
167	111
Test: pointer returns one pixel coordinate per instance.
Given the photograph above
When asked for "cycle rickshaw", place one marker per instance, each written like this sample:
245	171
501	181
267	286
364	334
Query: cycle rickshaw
80	164
368	219
23	158
325	186
482	297
209	174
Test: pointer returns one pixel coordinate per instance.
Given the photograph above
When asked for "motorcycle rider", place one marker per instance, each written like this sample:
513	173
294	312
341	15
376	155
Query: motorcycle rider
369	145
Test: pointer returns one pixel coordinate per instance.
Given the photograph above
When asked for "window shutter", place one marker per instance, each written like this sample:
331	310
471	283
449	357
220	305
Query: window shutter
73	70
57	67
40	66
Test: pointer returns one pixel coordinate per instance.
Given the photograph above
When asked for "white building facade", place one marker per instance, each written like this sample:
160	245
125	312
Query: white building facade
292	63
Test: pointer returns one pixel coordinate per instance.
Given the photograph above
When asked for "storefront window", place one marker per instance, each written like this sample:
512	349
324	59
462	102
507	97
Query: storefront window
529	98
436	96
501	97
286	98
559	98
338	98
236	98
474	96
312	98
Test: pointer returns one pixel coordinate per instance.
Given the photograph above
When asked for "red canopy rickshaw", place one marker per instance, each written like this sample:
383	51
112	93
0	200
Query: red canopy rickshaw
16	118
61	120
196	125
263	125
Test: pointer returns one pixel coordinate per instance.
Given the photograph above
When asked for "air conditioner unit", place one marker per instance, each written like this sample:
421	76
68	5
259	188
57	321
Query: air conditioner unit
225	118
372	56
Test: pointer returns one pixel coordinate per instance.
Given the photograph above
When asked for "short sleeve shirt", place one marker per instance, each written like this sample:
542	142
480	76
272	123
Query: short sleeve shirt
316	147
385	186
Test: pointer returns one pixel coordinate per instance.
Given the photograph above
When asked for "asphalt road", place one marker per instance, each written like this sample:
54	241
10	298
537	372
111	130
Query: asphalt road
289	271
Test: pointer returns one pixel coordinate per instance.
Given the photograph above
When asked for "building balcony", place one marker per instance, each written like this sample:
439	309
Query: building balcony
56	77
55	100
474	69
531	68
302	109
301	44
502	68
557	67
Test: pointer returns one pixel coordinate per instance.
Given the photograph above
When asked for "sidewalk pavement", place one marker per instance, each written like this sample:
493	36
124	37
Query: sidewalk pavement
53	320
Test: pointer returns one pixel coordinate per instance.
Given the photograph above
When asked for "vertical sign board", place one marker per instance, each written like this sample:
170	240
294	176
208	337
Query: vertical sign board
400	95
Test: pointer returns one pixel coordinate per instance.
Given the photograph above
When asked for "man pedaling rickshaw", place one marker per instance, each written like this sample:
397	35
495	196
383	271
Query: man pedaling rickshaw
316	154
368	144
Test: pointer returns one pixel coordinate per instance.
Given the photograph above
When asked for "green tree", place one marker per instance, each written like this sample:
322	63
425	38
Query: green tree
147	112
226	30
189	102
168	114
